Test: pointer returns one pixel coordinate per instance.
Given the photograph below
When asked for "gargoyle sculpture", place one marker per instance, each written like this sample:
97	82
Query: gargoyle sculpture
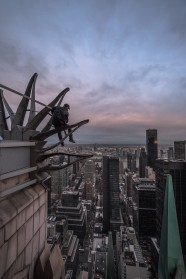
29	132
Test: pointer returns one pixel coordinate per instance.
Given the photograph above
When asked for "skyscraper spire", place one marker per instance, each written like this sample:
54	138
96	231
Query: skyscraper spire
170	257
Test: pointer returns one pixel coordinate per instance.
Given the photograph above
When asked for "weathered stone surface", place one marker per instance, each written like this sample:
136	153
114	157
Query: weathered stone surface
28	253
6	184
35	245
21	218
7	212
41	263
42	236
54	266
12	250
29	211
42	215
12	181
29	229
36	221
3	258
23	274
36	205
39	189
42	198
16	267
21	239
30	191
20	262
20	200
2	236
10	229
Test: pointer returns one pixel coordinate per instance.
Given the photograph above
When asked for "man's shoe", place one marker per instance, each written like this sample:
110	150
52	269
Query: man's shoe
71	140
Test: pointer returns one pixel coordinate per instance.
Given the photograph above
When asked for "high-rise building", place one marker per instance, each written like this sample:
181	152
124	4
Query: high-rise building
142	162
111	195
178	171
144	198
88	190
131	161
73	209
89	172
128	182
171	264
59	182
152	147
180	150
170	153
130	260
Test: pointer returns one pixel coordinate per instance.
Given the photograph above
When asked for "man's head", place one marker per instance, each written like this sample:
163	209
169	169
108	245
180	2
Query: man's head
67	106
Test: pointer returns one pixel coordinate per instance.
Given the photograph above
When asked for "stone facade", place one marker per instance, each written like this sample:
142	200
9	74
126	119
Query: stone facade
23	211
22	231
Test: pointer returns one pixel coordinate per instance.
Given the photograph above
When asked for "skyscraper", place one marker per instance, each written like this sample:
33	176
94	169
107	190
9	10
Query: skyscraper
177	169
111	194
180	150
142	162
152	147
170	258
73	209
131	161
144	213
170	153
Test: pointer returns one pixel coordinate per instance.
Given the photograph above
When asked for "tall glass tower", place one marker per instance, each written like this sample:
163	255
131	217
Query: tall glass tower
152	147
111	192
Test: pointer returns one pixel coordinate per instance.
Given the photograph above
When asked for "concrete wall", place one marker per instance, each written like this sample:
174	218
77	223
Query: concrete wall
22	231
14	155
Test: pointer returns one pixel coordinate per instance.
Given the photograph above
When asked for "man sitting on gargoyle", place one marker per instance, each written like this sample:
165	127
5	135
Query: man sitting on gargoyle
60	119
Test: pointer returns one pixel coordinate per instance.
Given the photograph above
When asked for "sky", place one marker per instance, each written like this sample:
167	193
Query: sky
124	62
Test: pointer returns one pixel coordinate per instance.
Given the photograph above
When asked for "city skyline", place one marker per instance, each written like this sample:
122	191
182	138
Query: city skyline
123	62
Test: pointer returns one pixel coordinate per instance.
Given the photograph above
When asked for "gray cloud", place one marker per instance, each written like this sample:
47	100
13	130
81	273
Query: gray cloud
123	60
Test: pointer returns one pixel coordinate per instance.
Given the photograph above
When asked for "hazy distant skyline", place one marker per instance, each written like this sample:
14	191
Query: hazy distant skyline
124	62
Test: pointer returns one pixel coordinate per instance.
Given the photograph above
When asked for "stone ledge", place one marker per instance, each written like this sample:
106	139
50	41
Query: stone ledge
20	200
7	212
39	189
9	183
17	202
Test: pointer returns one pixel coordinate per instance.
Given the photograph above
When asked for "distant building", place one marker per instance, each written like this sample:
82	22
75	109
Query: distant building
142	162
89	170
68	242
97	259
145	208
128	181
73	209
130	260
111	195
89	191
149	173
170	153
59	182
178	171
131	161
180	150
152	147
